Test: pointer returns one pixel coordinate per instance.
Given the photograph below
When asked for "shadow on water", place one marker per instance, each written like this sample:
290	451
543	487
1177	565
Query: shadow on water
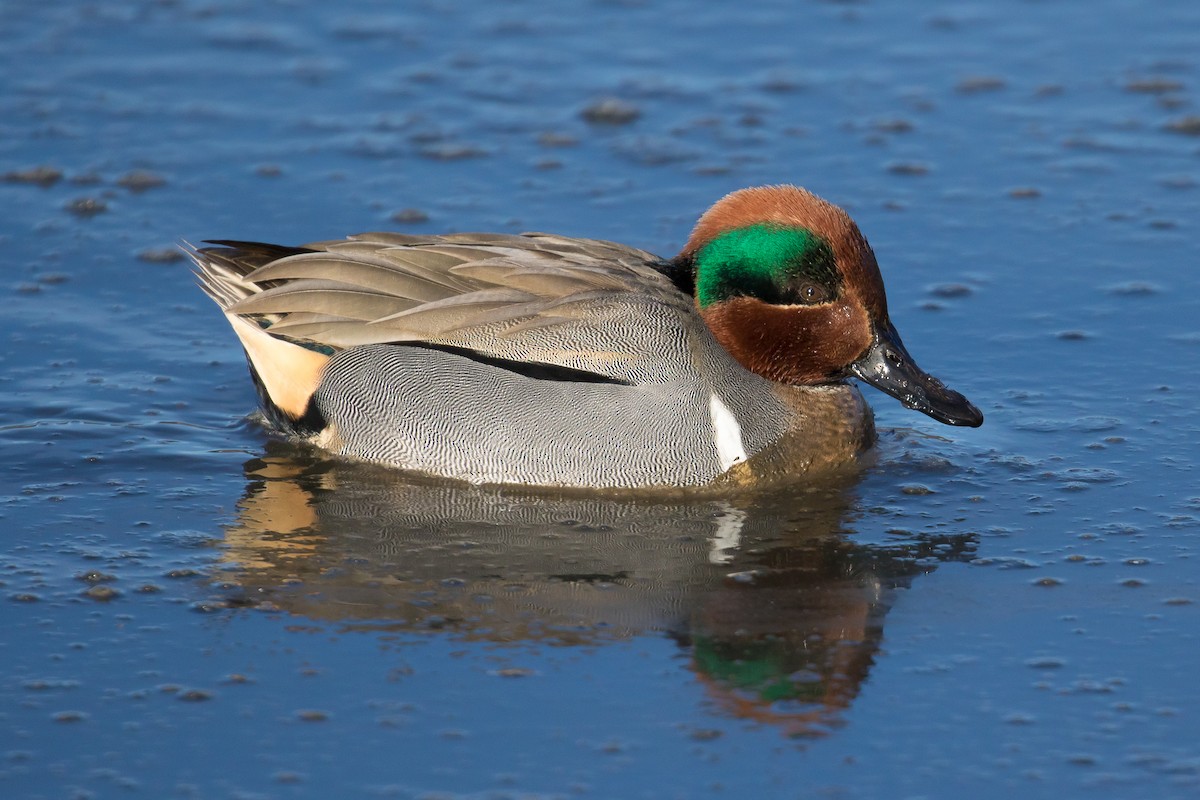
778	611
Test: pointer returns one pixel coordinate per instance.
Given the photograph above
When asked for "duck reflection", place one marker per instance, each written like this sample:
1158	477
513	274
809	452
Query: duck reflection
782	614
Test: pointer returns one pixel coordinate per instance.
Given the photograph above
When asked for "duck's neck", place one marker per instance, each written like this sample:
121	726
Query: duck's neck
681	271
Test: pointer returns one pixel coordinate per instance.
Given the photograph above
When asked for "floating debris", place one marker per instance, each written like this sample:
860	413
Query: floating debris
981	83
951	290
140	180
550	139
160	255
410	216
87	206
610	111
40	175
311	715
452	152
892	126
1153	85
907	168
1188	126
102	593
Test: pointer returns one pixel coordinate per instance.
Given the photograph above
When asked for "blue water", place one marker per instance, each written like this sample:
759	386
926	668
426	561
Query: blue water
192	609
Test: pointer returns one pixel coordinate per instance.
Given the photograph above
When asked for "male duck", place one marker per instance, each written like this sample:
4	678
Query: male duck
540	359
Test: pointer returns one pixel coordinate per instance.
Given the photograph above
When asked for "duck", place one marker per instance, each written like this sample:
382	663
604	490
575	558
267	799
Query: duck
545	360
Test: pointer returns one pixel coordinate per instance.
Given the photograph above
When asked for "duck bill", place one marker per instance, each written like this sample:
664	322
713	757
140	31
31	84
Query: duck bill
888	367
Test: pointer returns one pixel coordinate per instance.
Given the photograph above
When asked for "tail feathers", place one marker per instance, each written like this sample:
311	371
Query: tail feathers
287	373
221	270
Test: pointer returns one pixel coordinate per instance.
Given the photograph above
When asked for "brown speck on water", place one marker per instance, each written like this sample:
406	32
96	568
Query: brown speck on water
1046	662
140	180
268	170
1048	582
451	152
1025	192
70	716
102	593
951	290
514	672
892	125
980	83
1178	601
211	606
907	168
40	175
783	84
1134	289
1153	85
1188	126
1073	336
916	489
311	715
705	734
610	111
95	576
409	216
87	206
551	139
194	696
1178	182
160	255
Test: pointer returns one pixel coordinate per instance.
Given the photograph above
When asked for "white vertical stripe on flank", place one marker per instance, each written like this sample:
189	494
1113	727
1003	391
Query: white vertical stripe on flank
727	433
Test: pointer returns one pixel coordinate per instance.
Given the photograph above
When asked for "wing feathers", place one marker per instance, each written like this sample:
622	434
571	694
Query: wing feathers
506	296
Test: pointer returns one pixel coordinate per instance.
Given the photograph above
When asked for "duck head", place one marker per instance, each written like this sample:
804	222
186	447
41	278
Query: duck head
791	289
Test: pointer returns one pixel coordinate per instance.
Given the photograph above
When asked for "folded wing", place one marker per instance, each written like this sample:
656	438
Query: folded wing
587	305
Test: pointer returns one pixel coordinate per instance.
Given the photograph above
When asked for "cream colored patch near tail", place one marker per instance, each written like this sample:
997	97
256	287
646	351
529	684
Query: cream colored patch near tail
290	373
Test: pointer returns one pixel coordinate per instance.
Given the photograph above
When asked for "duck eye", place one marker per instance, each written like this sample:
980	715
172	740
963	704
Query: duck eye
810	293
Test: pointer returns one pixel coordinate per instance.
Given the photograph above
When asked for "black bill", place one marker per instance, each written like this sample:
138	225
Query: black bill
887	366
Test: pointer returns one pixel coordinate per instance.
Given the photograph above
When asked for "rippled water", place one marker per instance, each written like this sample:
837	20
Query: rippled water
192	609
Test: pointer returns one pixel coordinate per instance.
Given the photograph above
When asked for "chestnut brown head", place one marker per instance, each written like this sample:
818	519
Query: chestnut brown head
791	289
